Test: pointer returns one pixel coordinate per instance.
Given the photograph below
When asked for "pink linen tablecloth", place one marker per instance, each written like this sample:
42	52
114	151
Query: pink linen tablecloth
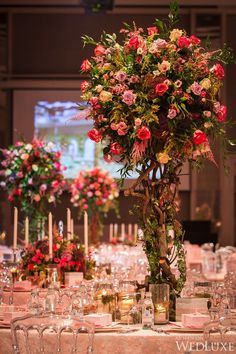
140	342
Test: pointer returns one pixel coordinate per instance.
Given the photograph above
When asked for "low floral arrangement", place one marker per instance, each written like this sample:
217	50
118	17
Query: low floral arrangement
154	102
96	192
68	255
33	176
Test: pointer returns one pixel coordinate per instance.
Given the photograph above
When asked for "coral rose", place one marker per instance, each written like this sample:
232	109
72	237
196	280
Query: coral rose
86	65
99	50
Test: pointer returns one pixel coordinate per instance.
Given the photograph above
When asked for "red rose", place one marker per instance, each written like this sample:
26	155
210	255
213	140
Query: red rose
221	114
183	42
144	133
219	71
152	30
30	266
86	65
195	40
94	135
116	149
84	86
195	115
99	50
199	137
134	42
160	89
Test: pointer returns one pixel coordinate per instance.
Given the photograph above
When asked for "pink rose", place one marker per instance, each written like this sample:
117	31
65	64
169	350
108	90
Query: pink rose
94	135
121	132
19	174
116	149
134	42
199	137
221	115
137	122
99	50
121	76
172	113
160	43
86	65
144	133
196	88
183	42
152	30
161	89
218	70
84	86
129	97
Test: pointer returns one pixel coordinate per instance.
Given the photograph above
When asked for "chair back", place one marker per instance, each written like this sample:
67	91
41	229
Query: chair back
49	334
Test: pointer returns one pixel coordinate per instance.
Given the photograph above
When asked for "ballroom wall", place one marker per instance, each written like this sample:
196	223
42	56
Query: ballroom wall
41	48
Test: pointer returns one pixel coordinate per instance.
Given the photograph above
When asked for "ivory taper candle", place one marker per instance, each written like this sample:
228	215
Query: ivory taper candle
68	214
26	231
50	238
86	232
15	224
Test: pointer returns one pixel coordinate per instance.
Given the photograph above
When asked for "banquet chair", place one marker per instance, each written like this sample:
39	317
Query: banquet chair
49	334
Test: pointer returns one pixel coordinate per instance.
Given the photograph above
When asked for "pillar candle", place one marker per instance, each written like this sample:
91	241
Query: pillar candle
26	231
68	224
15	228
110	232
50	240
86	232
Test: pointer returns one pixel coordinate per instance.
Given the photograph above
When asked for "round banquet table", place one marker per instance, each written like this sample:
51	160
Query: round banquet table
140	342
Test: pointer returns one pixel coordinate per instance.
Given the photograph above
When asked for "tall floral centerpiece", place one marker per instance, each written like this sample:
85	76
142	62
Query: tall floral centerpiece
94	191
33	176
154	102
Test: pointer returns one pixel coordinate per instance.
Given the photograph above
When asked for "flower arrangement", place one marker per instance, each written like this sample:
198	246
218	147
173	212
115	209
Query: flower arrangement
96	192
68	255
157	94
33	175
154	102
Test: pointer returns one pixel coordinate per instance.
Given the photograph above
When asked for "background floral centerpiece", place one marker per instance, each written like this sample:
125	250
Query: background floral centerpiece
154	102
96	192
69	256
33	177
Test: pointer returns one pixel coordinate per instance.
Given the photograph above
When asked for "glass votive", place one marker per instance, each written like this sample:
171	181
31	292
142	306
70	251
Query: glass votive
161	299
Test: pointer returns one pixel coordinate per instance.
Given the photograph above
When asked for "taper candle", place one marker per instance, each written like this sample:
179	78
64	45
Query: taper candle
50	239
86	232
68	223
130	229
72	227
135	232
15	224
26	231
122	232
110	232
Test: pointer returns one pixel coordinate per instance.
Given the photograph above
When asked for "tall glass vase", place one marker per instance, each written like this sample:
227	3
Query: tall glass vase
160	297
